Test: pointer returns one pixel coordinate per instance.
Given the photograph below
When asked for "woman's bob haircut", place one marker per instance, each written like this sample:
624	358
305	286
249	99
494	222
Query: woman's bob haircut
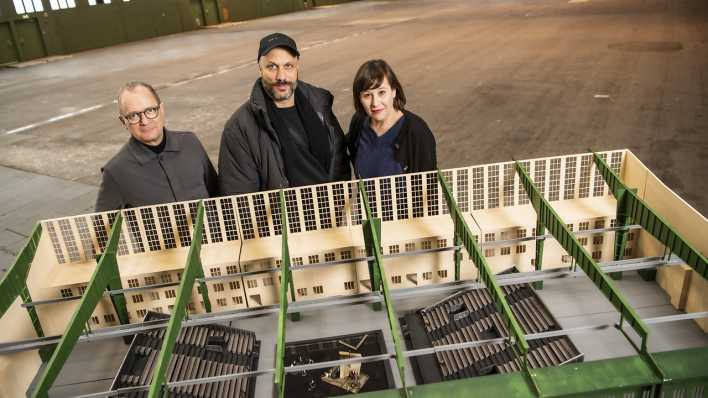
370	76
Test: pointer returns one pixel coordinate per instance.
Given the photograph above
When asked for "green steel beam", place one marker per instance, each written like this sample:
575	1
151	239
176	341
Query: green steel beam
603	378
485	274
457	257
285	285
388	301
463	233
371	241
640	213
567	240
192	270
103	276
540	231
14	283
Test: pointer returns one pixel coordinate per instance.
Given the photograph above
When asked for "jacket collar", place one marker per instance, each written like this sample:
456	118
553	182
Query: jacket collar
144	155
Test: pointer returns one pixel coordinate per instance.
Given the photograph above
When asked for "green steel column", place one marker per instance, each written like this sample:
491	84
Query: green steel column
487	277
372	241
540	231
14	284
640	213
388	301
105	271
458	253
191	271
567	240
285	285
620	234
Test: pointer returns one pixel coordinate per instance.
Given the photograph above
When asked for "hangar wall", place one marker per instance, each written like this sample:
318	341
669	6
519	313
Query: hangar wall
31	29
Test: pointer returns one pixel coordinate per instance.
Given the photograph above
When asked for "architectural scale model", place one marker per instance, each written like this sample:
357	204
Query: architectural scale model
97	275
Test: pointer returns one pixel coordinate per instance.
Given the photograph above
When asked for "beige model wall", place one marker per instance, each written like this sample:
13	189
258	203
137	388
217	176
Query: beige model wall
687	221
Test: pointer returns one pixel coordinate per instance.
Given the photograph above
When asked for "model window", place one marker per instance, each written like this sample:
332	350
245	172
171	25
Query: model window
133	283
349	285
302	291
318	289
520	249
137	298
28	6
62	4
505	251
218	287
442	273
67	292
396	279
427	275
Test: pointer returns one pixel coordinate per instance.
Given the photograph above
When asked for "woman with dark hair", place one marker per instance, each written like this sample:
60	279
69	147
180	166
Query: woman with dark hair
385	139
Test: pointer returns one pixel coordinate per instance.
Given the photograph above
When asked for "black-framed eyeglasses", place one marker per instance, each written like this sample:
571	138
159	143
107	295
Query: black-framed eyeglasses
149	113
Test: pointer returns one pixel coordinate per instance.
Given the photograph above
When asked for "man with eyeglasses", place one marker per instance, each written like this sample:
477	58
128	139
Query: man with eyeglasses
285	134
157	165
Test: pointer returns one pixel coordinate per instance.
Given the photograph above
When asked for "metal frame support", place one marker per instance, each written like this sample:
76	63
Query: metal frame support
192	270
457	257
286	284
567	240
540	231
463	233
105	275
14	284
375	236
621	234
371	241
640	213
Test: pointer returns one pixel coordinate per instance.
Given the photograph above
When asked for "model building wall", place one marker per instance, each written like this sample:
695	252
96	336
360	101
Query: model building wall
243	234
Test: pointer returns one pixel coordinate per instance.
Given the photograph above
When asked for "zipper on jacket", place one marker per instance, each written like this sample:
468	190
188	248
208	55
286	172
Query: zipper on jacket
169	183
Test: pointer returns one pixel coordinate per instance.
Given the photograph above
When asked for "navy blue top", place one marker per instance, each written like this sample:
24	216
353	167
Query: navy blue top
375	155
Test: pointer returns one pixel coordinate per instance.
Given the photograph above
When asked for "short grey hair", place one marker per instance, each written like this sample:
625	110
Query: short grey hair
130	86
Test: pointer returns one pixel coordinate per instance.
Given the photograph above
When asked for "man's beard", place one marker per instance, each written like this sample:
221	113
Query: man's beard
274	95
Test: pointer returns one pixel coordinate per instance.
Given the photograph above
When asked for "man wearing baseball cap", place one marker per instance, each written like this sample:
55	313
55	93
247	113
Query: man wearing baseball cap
285	134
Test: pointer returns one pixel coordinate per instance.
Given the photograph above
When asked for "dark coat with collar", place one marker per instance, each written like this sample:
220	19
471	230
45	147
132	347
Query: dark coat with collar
414	148
249	155
136	176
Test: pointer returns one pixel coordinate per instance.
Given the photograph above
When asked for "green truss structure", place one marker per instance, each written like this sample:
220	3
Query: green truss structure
469	241
632	209
14	283
286	283
192	270
372	234
680	372
105	277
602	281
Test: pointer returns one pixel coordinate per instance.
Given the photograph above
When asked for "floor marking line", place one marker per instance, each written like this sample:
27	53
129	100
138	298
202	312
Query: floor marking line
200	76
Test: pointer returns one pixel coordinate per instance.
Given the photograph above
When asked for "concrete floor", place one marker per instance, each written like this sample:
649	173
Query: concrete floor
494	79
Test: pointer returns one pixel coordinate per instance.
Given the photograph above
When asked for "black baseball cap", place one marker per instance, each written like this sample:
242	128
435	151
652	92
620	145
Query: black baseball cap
274	40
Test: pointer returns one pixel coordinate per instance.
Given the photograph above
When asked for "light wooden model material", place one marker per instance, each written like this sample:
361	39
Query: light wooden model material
241	248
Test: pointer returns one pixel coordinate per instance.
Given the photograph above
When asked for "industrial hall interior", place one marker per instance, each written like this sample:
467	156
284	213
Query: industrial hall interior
381	198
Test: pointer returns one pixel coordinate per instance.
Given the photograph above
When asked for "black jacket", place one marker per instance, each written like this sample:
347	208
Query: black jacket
137	176
414	148
249	155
